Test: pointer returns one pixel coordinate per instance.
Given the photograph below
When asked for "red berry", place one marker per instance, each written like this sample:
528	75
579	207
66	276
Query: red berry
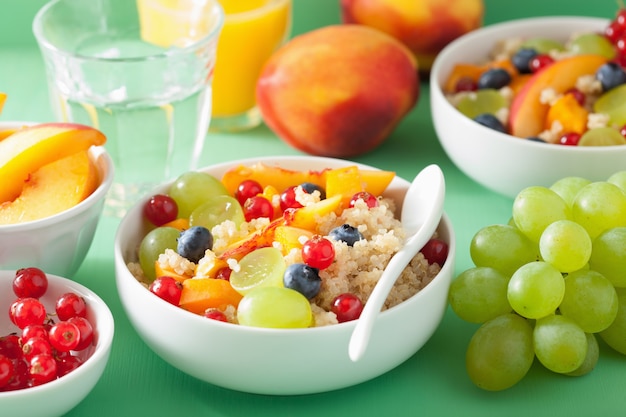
224	273
27	311
288	199
465	84
214	314
42	369
620	18
70	305
167	288
35	330
370	199
67	364
85	330
318	252
247	189
347	307
21	376
160	209
569	139
622	130
613	32
64	336
36	346
10	346
435	251
30	282
6	370
257	207
539	62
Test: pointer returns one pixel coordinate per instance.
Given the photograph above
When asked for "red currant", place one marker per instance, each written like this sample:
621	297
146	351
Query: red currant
70	305
613	32
67	364
370	199
569	139
435	251
85	330
10	346
27	311
6	370
30	282
347	307
167	288
257	207
160	209
288	199
465	84
64	336
539	62
42	369
214	314
620	17
224	273
36	346
21	376
318	252
34	330
622	130
247	189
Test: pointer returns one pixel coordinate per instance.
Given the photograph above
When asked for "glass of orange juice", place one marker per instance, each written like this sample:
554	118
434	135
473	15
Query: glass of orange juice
252	31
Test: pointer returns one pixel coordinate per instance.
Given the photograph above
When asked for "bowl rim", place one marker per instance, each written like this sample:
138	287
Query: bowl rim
105	330
120	261
106	172
438	71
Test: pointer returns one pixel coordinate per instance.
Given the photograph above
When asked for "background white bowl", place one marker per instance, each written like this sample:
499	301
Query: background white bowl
57	397
277	361
57	244
498	161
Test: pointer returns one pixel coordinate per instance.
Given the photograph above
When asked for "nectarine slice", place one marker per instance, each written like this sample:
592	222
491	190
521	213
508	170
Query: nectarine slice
52	189
345	182
279	178
28	149
200	294
528	114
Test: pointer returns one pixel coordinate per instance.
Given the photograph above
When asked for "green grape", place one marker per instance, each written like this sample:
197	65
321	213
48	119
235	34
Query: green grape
568	187
619	179
274	307
615	334
590	300
591	359
535	290
480	102
613	104
592	43
599	206
154	244
543	45
502	247
602	136
608	255
192	189
260	268
535	207
559	343
566	245
479	294
216	210
500	353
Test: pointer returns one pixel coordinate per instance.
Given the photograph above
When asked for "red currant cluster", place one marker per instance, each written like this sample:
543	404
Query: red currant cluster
616	33
44	349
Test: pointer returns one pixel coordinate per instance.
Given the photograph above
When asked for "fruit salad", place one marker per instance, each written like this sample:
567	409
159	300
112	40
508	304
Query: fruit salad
269	247
548	283
569	93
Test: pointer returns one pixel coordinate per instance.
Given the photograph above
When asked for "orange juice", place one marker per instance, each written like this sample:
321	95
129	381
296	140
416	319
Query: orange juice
252	31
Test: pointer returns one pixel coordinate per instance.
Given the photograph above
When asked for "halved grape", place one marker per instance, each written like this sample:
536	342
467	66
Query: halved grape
536	290
560	344
543	45
274	307
215	211
486	101
262	267
500	353
154	244
599	206
192	189
566	245
503	247
592	43
602	136
535	207
613	104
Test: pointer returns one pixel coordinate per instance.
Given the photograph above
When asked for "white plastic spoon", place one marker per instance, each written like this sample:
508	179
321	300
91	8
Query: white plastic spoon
421	213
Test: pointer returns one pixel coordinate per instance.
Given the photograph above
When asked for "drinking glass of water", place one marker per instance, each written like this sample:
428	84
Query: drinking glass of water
139	71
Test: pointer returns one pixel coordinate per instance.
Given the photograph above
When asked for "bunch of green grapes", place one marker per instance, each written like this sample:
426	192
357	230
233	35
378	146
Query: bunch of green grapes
548	283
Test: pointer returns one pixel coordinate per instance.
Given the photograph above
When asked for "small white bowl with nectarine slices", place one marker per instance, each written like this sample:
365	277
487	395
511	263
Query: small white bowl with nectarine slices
55	177
530	101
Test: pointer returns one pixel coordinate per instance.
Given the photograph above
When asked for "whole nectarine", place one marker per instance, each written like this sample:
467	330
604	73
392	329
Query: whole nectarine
339	90
424	26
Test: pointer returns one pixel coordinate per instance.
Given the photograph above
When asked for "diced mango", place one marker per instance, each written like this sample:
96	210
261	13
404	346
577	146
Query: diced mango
569	113
209	268
161	271
200	294
181	224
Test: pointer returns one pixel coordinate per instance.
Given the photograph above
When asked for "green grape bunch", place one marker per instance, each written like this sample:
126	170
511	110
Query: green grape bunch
547	284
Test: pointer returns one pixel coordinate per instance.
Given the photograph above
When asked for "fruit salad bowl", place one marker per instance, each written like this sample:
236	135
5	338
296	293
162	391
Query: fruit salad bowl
277	361
59	396
59	242
502	162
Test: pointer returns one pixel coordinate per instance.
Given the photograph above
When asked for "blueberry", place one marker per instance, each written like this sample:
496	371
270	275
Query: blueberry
346	233
611	75
309	187
193	242
521	59
303	278
490	121
495	78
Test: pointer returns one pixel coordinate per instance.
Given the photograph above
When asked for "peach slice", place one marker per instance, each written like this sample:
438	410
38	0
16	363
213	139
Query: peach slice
256	240
200	294
52	189
290	237
27	150
345	182
306	217
528	114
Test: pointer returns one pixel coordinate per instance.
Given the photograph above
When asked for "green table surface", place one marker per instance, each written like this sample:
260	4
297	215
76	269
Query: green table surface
433	381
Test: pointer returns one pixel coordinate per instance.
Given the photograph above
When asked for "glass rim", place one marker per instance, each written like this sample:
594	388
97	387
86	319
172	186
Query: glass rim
170	52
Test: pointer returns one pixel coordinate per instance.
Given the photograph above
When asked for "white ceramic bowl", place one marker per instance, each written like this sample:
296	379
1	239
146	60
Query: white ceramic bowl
277	361
498	161
57	397
57	244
